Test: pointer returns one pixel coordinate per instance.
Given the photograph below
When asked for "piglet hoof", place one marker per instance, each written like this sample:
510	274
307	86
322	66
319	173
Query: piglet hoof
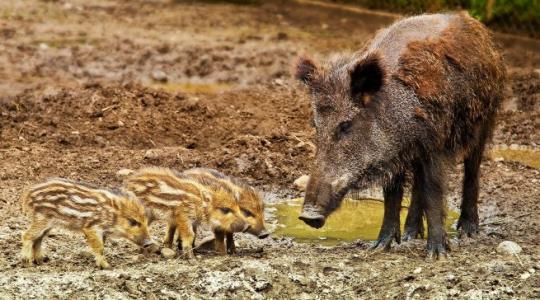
437	251
188	255
386	237
26	262
41	260
103	265
467	228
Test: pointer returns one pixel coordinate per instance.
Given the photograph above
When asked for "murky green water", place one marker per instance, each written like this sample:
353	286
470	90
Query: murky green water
355	219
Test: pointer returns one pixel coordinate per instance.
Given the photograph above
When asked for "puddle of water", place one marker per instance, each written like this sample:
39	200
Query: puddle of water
354	220
527	157
193	88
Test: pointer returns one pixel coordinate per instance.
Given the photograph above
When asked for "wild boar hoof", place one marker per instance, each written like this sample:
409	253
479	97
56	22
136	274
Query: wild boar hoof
467	228
386	237
413	232
437	251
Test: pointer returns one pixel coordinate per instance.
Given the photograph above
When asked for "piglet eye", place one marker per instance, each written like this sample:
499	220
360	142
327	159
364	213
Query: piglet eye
133	222
225	210
247	213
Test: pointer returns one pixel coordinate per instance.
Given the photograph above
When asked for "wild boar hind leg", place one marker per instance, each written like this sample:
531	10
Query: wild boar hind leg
95	241
468	222
390	231
169	236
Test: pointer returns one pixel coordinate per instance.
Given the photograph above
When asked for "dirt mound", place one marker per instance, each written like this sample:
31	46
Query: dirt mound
266	140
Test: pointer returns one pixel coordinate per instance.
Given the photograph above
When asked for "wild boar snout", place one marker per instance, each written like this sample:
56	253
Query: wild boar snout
323	196
312	217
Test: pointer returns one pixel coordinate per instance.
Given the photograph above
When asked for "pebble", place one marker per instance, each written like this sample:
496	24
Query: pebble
514	147
301	182
151	154
124	172
509	247
525	276
168	253
159	75
417	270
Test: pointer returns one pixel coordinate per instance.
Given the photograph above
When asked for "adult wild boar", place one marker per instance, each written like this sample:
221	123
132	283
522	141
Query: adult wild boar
421	94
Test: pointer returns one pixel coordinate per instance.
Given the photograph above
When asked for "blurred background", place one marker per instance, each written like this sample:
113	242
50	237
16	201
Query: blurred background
516	16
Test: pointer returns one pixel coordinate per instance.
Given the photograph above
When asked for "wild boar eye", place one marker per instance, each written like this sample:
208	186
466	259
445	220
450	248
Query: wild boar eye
133	222
225	210
247	213
344	128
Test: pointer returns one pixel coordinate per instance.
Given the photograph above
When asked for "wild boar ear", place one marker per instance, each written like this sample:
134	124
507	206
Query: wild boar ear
305	70
367	77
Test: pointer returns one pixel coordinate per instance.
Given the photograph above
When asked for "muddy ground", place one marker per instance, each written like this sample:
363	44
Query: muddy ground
90	87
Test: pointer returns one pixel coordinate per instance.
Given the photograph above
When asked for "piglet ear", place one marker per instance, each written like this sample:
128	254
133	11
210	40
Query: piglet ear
367	77
305	70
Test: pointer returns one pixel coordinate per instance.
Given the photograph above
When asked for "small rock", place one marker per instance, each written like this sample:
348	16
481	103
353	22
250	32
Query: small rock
514	147
262	285
43	46
124	172
151	154
301	183
159	75
279	81
508	247
299	279
168	253
525	276
417	270
131	288
450	277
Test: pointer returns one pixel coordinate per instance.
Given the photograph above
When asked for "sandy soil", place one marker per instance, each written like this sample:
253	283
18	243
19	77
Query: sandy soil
78	99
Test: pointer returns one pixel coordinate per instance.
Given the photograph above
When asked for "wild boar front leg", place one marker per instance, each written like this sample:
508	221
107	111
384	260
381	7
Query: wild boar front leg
431	176
95	241
219	242
32	240
186	234
393	194
231	247
414	224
